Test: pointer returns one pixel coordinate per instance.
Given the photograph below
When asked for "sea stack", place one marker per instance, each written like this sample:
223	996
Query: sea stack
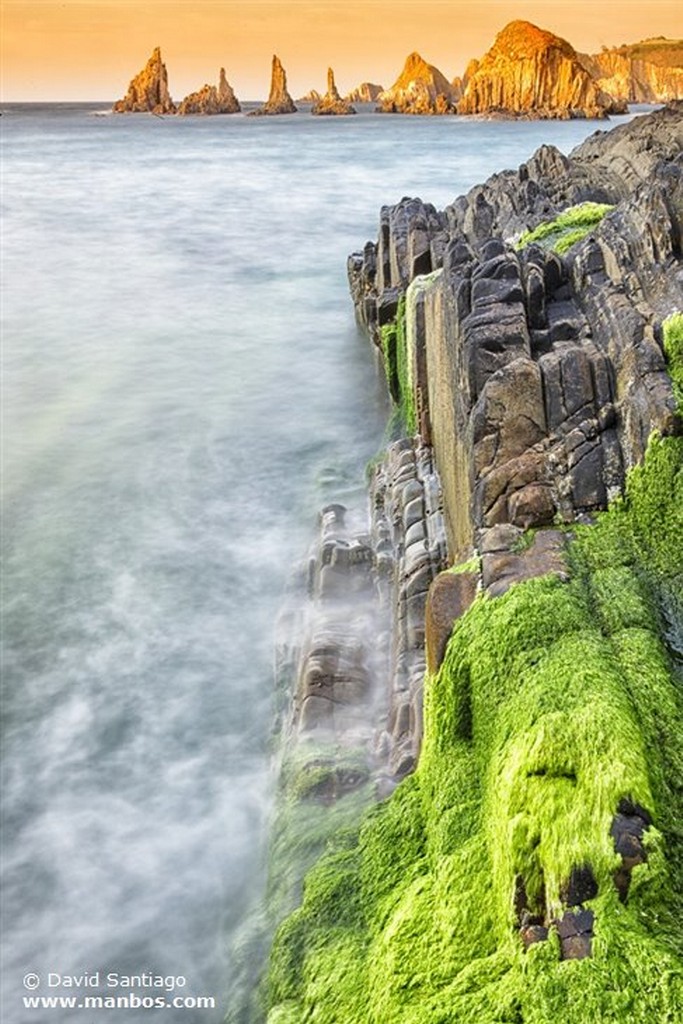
331	102
420	89
279	101
148	91
366	92
529	72
212	100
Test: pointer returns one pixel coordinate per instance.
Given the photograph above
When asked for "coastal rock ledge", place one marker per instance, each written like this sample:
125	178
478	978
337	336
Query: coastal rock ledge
148	91
498	648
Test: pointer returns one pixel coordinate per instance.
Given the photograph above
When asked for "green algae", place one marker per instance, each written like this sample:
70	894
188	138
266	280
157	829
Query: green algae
568	228
394	344
672	330
554	703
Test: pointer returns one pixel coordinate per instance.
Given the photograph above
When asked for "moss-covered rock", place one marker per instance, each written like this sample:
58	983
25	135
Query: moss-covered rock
554	723
568	228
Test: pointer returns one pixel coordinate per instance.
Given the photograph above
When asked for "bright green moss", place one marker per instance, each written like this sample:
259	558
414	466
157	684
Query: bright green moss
673	348
554	703
567	229
394	343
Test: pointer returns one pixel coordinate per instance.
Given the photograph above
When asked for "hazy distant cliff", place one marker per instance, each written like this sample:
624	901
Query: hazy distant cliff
647	72
529	71
148	91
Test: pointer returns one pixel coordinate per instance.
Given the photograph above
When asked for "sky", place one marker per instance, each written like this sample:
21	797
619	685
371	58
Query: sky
74	50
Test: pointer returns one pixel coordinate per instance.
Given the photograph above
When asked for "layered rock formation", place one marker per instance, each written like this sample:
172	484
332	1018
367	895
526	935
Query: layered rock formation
279	100
420	89
311	97
332	103
366	92
542	824
212	100
148	91
531	72
647	72
501	413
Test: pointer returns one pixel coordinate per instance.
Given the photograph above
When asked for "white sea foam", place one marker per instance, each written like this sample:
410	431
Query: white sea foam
184	389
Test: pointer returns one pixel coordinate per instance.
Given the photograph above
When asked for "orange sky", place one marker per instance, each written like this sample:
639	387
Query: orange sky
73	50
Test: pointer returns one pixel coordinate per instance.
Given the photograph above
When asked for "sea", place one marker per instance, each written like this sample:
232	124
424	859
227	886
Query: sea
184	387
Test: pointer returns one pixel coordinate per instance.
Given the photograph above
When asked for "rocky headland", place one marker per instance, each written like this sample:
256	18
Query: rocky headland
332	103
148	91
498	649
647	72
279	101
366	92
531	72
419	89
211	99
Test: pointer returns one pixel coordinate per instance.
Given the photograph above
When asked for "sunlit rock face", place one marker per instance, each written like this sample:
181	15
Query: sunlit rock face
366	92
279	100
647	72
531	72
211	99
420	89
332	103
148	91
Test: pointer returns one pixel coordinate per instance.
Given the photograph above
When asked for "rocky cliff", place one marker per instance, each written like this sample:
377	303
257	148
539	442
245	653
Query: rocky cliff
148	91
332	103
533	348
212	100
531	72
366	92
279	100
419	89
647	72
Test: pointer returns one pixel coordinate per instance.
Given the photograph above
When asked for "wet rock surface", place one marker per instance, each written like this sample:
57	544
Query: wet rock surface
351	650
542	375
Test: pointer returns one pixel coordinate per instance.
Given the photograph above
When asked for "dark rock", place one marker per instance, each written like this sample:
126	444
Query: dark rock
580	887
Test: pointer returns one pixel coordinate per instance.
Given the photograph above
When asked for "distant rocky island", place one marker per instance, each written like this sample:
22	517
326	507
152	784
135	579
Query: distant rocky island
527	73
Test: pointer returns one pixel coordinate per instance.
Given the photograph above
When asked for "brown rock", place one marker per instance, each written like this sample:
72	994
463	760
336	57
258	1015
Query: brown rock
650	71
449	597
279	100
531	72
332	103
420	89
366	92
148	91
211	100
